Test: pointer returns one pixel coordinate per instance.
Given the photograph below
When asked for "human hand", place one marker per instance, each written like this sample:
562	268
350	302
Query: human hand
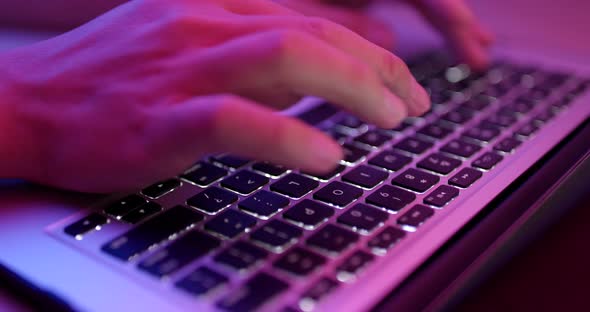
142	92
453	18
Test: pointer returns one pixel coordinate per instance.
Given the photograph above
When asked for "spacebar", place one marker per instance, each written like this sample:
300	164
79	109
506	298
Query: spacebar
151	232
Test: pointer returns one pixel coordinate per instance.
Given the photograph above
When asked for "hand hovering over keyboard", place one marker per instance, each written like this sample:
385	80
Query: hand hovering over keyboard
468	39
145	90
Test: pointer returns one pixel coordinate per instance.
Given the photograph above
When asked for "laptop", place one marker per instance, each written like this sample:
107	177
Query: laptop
396	226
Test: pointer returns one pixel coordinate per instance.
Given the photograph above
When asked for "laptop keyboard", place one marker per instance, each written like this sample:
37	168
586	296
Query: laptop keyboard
272	224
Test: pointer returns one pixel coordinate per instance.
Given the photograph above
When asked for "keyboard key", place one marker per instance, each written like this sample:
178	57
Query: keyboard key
385	239
300	261
545	115
264	203
89	223
277	234
390	160
338	193
460	148
520	107
353	154
179	253
416	216
528	129
458	116
332	238
350	122
465	177
253	294
230	223
391	198
327	176
158	189
373	138
413	145
478	103
507	145
441	196
502	120
309	213
439	163
142	212
125	205
152	232
365	176
205	174
487	161
294	185
435	130
212	200
244	182
201	281
316	292
241	256
363	217
416	180
483	132
270	169
353	265
231	161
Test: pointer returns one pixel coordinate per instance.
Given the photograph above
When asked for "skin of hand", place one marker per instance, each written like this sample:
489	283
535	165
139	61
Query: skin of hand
144	91
453	18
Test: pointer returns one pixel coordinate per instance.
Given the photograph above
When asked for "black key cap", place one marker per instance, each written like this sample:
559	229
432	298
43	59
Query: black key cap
363	217
352	265
507	145
253	294
350	122
264	203
332	238
460	148
487	161
502	120
373	138
390	160
416	216
439	163
435	130
416	180
158	189
231	161
441	196
270	169
390	198
478	103
458	116
309	213
277	234
386	239
205	174
89	223
465	177
483	132
545	115
241	255
337	135
152	232
413	145
520	107
212	200
353	154
365	176
179	253
294	185
338	193
244	182
201	281
327	176
125	205
142	212
317	291
300	261
402	126
528	129
230	223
